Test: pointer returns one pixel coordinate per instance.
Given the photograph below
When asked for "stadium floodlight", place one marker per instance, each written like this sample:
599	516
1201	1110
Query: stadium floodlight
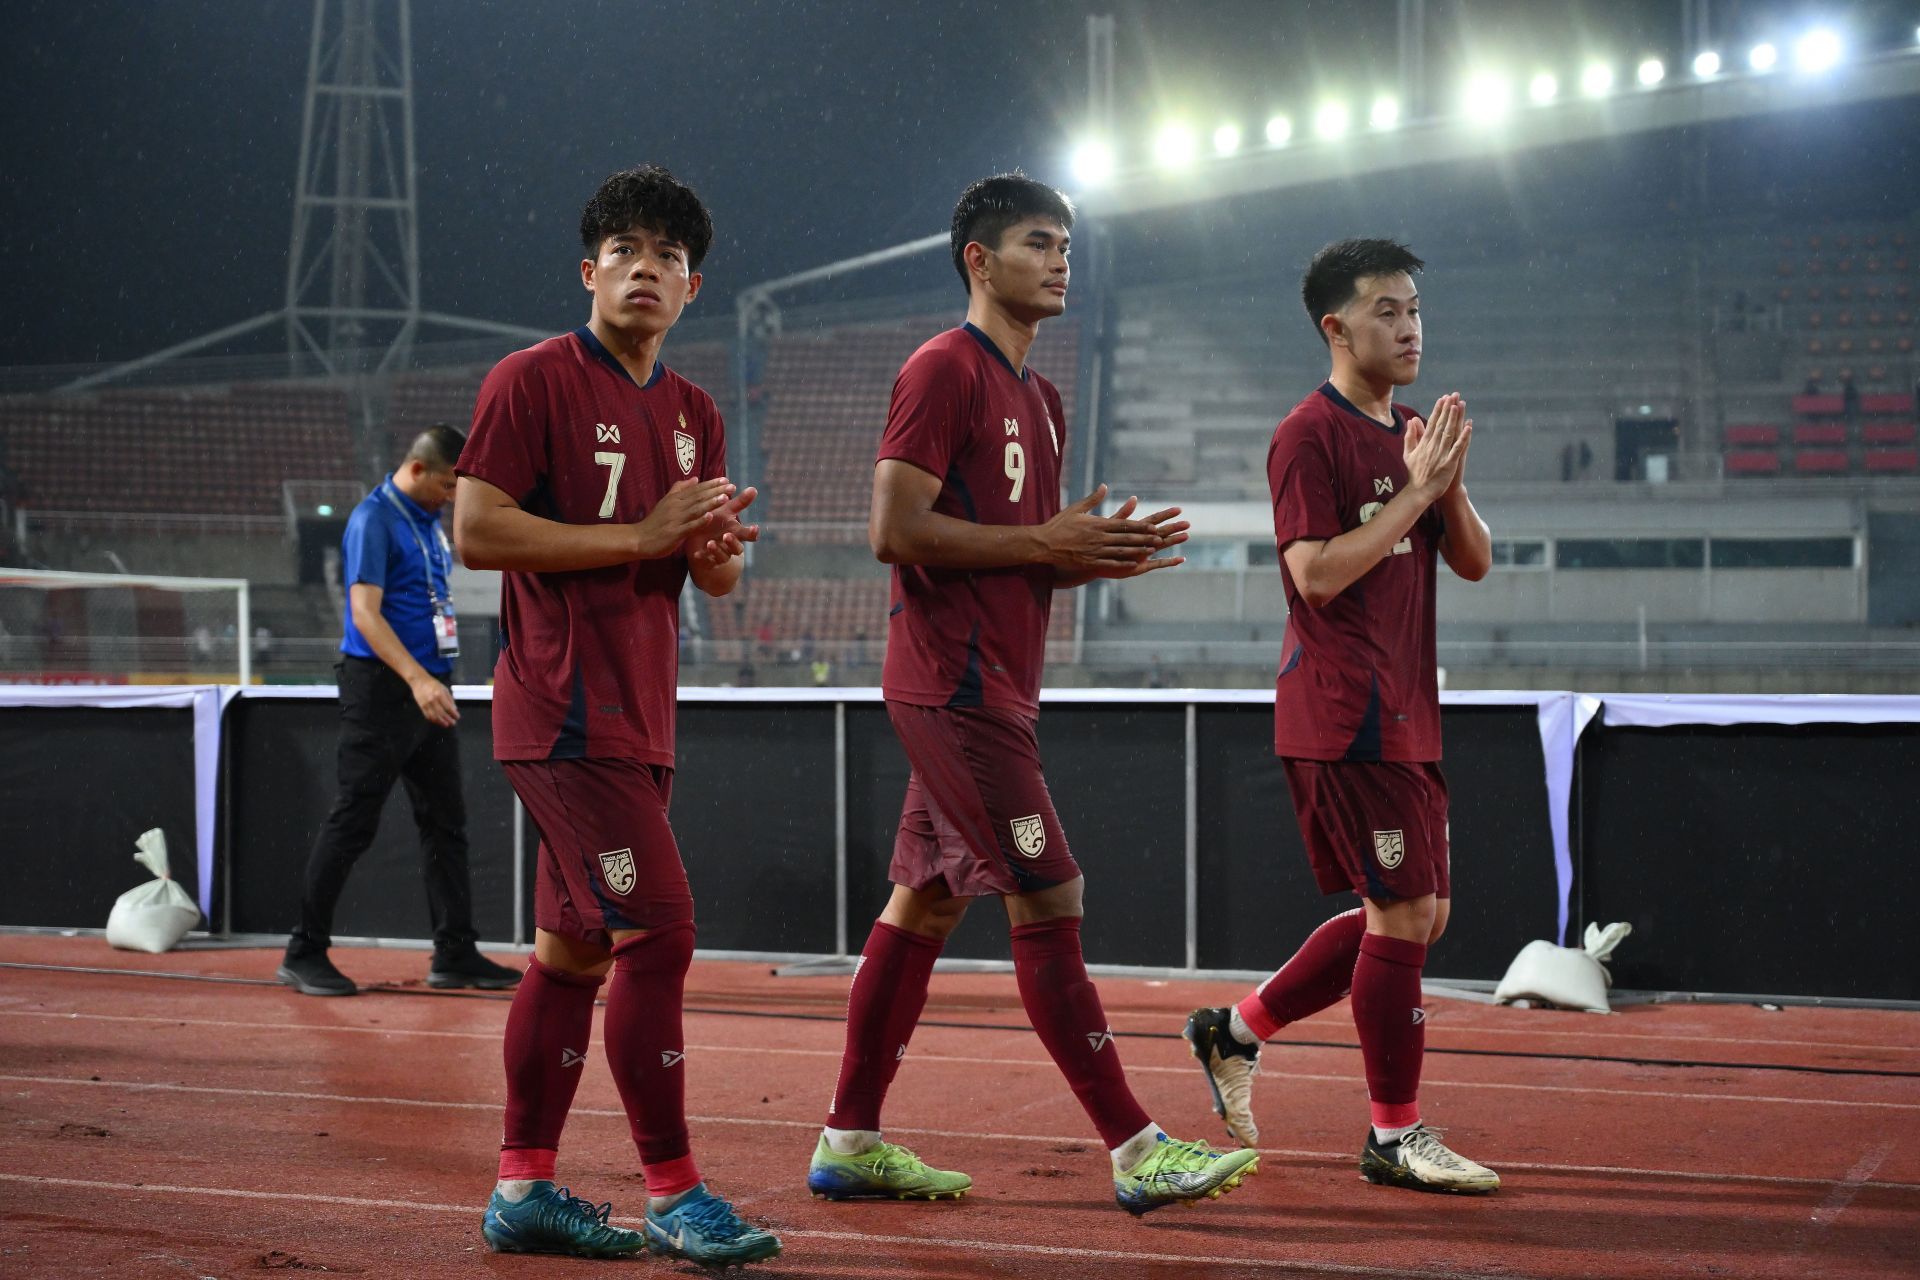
1706	65
1174	147
1092	163
1226	139
1279	131
1651	72
1762	57
1487	98
1817	51
1543	88
1597	80
1331	120
1385	113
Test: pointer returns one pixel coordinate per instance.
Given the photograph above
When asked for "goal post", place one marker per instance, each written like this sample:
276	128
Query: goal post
123	628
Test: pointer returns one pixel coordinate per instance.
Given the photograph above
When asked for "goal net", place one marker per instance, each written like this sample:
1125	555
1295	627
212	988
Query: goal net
111	628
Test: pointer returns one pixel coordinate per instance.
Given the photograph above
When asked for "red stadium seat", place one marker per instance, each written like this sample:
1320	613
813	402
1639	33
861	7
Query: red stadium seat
1819	406
1820	461
1753	433
1888	432
1887	405
1896	461
1820	433
1742	462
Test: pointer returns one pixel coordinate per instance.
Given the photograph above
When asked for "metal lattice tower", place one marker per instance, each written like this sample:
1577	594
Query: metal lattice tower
353	267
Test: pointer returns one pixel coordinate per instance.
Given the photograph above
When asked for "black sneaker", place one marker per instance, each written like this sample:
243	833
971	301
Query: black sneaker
471	969
314	975
1230	1068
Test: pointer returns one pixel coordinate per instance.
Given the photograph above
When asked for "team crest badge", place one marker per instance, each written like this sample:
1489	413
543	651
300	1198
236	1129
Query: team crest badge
683	447
618	869
1030	835
1390	847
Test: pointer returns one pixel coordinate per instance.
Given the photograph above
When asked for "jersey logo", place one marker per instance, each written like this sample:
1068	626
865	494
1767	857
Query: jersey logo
1382	485
1030	835
683	448
1012	425
1390	847
604	434
618	868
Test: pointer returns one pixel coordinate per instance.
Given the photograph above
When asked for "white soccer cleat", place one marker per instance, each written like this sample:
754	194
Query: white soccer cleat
1419	1161
1230	1067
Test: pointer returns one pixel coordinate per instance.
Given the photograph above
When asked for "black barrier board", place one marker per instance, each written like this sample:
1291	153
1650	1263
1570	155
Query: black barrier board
280	785
82	784
1762	859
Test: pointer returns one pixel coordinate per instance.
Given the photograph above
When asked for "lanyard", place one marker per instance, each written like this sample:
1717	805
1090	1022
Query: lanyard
433	596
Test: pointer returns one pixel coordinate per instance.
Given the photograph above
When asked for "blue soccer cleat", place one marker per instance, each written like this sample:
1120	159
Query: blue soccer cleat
703	1228
553	1220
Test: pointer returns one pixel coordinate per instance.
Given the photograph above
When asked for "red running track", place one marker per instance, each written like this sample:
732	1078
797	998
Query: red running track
166	1128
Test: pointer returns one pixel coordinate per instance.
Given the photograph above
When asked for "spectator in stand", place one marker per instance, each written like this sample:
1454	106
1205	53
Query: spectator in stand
1813	384
1849	400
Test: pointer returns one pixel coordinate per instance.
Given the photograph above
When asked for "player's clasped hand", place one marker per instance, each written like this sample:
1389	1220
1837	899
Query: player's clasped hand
1110	546
1436	449
724	536
687	507
435	701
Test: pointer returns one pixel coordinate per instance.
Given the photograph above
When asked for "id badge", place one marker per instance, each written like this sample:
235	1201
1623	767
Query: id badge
446	632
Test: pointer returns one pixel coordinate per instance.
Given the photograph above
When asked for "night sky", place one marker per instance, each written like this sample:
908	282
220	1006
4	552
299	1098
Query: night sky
150	147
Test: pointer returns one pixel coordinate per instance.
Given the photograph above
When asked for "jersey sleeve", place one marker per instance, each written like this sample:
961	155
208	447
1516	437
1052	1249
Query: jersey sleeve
926	418
714	452
507	446
1300	477
364	548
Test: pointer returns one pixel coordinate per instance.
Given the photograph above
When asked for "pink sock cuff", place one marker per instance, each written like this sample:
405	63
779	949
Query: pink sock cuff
527	1164
1394	950
1258	1020
671	1177
909	936
562	977
1395	1115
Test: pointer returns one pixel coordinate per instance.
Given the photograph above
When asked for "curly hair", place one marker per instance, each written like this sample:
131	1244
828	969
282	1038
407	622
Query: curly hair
992	205
648	196
1333	276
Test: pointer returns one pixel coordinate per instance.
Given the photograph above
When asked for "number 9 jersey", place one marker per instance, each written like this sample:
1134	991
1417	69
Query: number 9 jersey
589	659
996	439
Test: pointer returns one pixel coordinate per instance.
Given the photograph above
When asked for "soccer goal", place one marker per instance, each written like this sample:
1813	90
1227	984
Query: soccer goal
123	628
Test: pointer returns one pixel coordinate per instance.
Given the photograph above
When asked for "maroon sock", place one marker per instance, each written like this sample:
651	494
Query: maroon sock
1392	1024
647	1051
548	1030
1065	1010
883	1007
1320	973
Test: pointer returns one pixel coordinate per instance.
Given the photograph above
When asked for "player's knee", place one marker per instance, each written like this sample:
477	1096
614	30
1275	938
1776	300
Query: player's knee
667	948
1440	915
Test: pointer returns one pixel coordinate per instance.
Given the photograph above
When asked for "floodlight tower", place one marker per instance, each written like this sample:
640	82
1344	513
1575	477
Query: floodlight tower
353	267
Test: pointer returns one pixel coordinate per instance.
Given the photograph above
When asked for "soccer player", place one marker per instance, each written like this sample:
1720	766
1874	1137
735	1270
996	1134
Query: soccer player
966	508
595	477
1365	495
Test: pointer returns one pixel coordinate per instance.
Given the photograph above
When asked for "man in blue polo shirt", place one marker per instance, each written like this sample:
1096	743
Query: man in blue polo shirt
397	719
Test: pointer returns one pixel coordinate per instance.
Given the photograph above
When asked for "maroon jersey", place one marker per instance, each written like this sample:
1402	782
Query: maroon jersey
973	637
589	659
1357	679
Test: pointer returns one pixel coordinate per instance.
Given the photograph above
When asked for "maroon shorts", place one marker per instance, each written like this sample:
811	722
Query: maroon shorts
608	860
1378	829
977	813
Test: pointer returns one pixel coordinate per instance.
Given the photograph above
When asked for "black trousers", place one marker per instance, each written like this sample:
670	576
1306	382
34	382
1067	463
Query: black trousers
383	739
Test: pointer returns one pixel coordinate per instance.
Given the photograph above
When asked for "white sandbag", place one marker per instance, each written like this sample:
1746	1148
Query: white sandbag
155	916
1567	977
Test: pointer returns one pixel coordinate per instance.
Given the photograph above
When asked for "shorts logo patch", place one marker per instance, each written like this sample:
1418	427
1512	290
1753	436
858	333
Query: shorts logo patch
1030	835
618	869
683	449
1390	847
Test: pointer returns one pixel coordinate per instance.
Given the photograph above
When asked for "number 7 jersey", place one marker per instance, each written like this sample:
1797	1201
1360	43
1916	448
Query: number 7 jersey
996	439
589	658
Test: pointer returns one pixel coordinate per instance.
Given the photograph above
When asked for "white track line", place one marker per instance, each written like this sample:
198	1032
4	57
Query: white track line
1848	1187
984	1247
967	1135
1030	1063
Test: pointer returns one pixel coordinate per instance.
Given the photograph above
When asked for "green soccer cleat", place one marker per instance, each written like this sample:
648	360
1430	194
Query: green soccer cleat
553	1220
884	1172
1176	1172
703	1228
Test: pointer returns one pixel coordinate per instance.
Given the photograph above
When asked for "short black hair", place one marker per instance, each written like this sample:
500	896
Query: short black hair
438	447
991	205
1333	276
648	196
